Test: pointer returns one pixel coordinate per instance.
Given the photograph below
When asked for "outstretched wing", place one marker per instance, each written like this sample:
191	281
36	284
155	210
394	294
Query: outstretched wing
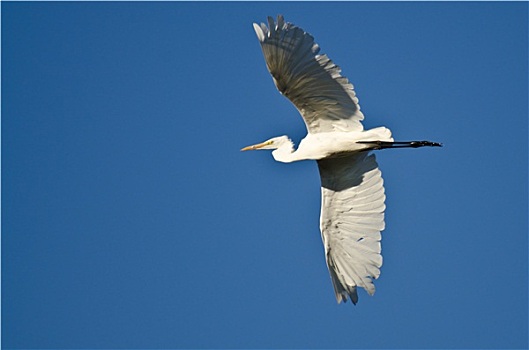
313	83
352	217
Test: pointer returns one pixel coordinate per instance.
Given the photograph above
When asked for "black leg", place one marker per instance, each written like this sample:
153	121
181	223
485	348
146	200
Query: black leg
401	144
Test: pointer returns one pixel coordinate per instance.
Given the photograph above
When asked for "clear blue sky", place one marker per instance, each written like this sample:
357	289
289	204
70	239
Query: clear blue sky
130	219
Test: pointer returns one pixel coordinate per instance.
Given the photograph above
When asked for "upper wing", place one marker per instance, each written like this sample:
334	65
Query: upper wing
313	83
352	216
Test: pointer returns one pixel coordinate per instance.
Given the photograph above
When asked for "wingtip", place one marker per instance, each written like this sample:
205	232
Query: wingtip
263	30
271	24
259	32
344	296
280	21
354	297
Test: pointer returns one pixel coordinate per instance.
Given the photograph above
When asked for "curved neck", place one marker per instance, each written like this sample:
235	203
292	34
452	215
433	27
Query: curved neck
285	152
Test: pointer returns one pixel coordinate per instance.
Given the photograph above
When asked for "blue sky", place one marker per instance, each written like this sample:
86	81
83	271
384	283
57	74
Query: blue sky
130	219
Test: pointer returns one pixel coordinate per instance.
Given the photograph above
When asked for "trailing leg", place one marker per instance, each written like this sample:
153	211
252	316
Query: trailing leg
400	144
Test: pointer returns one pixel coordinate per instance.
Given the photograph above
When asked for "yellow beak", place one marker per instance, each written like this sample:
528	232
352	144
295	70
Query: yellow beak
254	147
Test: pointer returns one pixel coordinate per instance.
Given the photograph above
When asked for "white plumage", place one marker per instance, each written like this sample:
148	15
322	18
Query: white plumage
352	216
352	207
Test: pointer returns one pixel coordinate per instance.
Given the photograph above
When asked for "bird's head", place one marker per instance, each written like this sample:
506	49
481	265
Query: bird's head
282	145
273	143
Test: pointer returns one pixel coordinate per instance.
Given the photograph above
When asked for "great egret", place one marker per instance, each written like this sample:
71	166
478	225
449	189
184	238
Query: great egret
352	192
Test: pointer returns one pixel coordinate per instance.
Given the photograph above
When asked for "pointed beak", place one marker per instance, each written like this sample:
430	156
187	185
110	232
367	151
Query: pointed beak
254	147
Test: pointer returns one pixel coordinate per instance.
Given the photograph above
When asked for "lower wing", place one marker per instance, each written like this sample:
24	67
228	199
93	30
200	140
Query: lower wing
352	217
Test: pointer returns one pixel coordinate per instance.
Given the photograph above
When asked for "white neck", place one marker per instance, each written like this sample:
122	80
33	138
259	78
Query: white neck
285	152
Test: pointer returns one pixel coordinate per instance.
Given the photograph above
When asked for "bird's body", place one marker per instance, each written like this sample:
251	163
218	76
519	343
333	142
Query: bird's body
352	212
324	145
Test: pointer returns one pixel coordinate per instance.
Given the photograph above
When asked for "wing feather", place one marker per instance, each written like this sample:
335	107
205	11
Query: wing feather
312	82
352	217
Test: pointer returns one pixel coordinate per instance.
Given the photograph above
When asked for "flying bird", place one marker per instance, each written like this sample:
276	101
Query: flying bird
352	192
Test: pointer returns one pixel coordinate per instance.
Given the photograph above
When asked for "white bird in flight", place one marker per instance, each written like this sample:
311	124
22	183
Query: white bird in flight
352	192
